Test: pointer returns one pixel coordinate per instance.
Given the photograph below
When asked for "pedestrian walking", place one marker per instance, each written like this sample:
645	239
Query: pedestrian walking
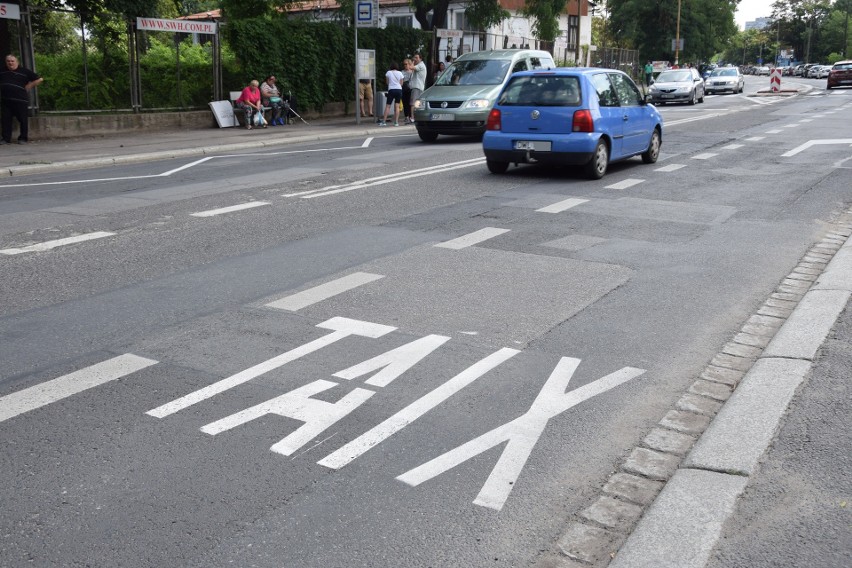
15	85
649	73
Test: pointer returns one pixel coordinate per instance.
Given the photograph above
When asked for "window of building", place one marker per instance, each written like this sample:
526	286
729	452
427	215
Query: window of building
400	21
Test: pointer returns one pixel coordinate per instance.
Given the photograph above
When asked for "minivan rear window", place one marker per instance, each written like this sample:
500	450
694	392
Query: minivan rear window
475	72
538	90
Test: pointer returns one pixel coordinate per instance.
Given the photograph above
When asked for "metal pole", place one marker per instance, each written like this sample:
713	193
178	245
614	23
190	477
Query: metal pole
677	36
357	74
177	57
846	32
577	51
85	58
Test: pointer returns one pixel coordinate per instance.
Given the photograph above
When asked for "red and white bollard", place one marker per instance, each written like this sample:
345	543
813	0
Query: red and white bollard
775	80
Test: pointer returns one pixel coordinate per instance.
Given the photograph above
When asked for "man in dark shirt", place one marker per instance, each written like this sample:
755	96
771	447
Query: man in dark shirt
15	85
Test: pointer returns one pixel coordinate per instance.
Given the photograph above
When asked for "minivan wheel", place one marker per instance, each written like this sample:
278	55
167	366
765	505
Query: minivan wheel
427	136
650	155
596	168
496	167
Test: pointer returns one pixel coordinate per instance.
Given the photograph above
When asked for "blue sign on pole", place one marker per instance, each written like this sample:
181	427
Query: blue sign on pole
367	14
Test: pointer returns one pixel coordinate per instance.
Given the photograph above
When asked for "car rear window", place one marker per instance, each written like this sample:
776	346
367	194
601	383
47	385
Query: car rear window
844	66
475	72
538	90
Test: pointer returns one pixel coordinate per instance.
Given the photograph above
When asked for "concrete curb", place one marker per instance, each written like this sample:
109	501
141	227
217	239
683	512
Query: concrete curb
28	169
684	523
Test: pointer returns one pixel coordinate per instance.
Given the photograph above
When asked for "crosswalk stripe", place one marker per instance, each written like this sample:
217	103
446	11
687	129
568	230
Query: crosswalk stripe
41	395
316	294
40	247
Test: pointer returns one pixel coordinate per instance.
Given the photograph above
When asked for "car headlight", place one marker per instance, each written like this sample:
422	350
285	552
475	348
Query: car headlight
478	103
653	89
420	104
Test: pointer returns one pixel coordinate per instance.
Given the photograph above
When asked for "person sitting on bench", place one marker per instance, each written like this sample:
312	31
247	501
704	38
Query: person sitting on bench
249	101
272	99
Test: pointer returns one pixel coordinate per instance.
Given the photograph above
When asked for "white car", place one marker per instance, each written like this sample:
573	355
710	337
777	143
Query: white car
823	72
724	79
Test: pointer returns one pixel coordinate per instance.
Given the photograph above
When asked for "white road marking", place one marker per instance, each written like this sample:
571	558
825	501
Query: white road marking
563	205
521	434
806	120
732	146
367	142
472	238
624	184
755	139
670	168
775	131
705	156
393	363
342	328
178	169
390	178
231	209
794	125
40	247
810	143
296	302
415	410
67	385
297	404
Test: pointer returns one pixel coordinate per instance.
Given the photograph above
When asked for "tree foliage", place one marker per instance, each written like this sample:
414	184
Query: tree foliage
544	15
651	25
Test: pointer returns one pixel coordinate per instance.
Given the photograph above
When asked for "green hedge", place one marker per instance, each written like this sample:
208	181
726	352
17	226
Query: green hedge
316	60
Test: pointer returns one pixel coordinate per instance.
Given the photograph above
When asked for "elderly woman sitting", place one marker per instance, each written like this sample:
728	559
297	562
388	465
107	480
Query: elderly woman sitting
271	97
249	101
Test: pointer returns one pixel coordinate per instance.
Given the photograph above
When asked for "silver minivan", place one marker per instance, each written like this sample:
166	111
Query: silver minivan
462	97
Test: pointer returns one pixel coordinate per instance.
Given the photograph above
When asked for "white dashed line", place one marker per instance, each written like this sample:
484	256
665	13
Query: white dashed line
316	294
706	156
41	395
776	131
40	247
732	146
629	182
560	206
472	238
794	125
755	139
670	168
223	210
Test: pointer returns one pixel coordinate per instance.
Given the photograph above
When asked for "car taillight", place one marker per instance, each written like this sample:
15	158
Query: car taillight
494	122
583	121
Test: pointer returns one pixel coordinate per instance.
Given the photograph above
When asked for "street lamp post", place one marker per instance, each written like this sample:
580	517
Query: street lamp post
677	34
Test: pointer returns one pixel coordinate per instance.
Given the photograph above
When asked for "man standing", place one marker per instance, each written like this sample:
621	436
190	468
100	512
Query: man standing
15	85
649	72
417	82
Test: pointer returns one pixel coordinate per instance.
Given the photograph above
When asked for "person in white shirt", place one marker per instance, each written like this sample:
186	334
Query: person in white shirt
417	82
394	78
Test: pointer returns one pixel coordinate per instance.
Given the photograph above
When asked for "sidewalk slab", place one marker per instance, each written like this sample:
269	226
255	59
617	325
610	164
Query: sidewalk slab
683	525
743	429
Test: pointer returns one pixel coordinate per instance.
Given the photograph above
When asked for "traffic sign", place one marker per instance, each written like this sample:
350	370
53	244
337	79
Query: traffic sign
367	14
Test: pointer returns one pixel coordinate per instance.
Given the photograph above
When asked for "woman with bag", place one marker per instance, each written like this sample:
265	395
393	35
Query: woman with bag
407	70
249	101
271	97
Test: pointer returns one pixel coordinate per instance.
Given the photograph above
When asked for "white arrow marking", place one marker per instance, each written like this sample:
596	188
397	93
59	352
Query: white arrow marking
810	143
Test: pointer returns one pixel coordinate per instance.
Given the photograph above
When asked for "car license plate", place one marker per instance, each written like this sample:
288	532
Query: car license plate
533	145
846	81
668	96
439	116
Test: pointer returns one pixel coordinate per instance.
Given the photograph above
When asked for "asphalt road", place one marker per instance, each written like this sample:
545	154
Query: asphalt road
327	377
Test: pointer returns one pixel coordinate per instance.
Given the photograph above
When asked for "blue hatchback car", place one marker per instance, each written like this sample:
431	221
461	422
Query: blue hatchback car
571	116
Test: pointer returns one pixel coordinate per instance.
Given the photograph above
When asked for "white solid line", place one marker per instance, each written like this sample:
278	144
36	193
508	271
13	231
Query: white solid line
706	156
732	146
472	238
670	168
624	184
316	294
755	139
397	177
232	208
560	206
41	395
40	247
185	167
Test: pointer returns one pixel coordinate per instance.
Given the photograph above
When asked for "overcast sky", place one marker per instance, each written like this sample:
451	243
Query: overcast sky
749	10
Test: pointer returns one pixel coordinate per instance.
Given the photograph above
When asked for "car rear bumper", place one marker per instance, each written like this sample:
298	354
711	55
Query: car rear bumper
573	149
524	157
